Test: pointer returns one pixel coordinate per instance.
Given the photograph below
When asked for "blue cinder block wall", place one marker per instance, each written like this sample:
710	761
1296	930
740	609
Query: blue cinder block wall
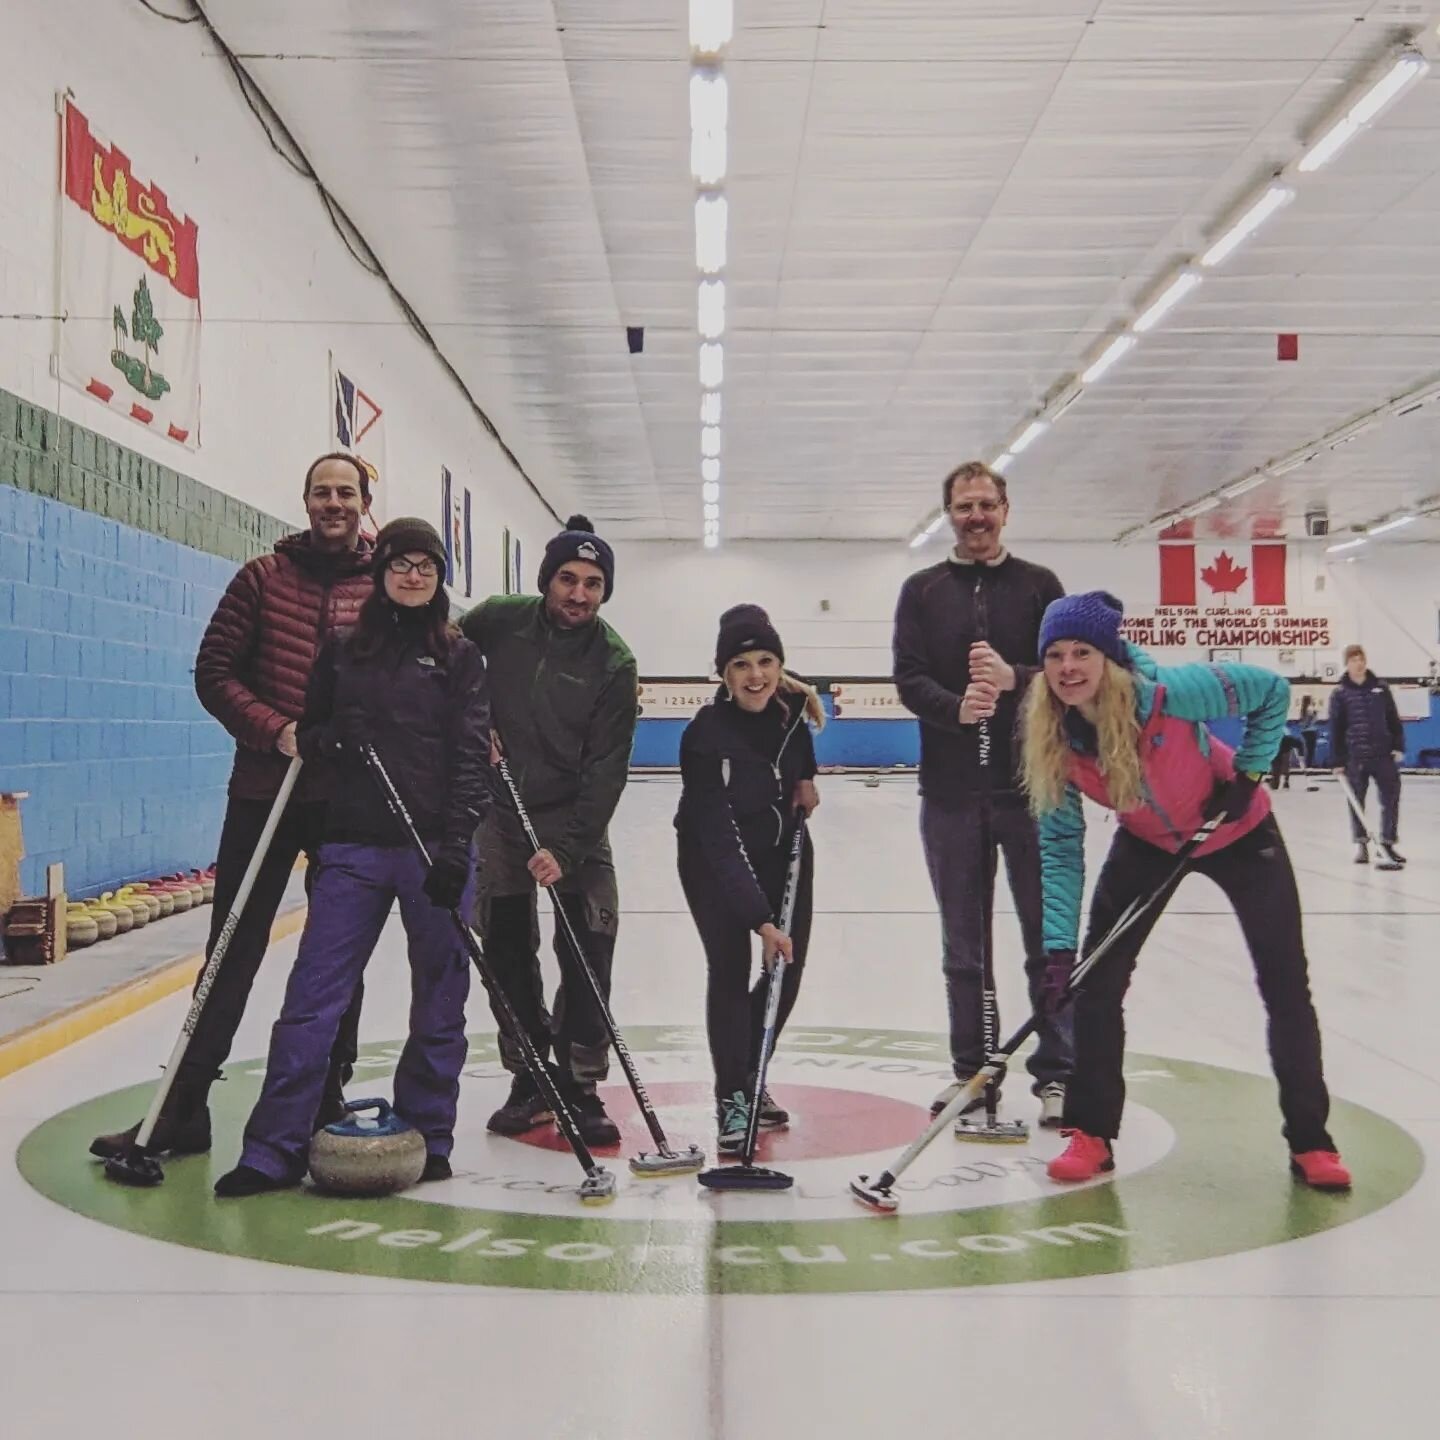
99	623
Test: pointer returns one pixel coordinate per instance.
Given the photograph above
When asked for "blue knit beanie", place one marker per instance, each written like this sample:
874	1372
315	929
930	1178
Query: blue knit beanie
1093	616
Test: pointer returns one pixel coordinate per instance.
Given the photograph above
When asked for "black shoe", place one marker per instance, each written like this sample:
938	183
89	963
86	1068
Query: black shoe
950	1092
525	1108
243	1181
437	1167
332	1109
1362	853
190	1136
595	1126
1390	858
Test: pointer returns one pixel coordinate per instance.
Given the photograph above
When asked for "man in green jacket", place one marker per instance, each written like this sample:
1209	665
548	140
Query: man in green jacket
564	698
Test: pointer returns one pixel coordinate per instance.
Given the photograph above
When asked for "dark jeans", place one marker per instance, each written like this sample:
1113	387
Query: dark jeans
209	1048
953	836
1310	738
734	1010
508	920
355	887
1386	775
1257	879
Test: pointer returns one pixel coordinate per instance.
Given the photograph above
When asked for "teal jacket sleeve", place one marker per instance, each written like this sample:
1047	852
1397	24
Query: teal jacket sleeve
1220	692
1062	871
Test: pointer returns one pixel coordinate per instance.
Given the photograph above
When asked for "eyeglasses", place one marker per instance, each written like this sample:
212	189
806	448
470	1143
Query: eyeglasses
400	565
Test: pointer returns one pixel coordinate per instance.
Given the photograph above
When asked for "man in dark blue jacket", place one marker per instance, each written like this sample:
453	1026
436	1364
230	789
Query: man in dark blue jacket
1367	740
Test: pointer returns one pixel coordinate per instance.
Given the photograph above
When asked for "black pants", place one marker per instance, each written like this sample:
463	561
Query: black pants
734	1010
209	1048
953	836
1311	738
1387	780
1257	879
577	1028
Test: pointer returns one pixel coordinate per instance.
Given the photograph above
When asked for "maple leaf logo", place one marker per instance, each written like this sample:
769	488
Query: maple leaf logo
1224	577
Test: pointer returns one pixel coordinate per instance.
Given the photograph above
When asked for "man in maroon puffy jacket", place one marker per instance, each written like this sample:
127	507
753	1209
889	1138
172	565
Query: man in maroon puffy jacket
250	673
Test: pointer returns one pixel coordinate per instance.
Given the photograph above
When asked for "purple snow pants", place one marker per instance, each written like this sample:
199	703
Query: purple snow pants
354	888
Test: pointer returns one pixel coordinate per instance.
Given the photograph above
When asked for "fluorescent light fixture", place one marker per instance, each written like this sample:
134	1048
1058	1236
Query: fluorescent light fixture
712	512
1168	299
1201	507
1409	65
711	309
1329	145
1241	487
712	365
710	471
1112	352
1031	433
1002	460
1274	198
1063	402
712	24
1345	545
712	527
1292	462
710	491
710	408
935	524
919	540
1347	433
709	114
712	213
712	542
710	441
1394	524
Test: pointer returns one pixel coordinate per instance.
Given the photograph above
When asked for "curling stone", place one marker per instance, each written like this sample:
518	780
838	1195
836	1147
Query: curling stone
131	893
81	927
139	910
360	1155
207	882
106	921
124	915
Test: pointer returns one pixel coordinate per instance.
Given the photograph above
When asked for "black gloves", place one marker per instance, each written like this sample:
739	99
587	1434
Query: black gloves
445	884
1058	965
1231	798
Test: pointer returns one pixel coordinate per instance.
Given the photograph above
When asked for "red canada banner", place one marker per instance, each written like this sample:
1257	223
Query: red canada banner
129	288
1242	604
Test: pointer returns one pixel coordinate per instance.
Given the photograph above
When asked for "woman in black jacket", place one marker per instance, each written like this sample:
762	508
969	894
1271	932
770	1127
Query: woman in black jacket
406	682
747	765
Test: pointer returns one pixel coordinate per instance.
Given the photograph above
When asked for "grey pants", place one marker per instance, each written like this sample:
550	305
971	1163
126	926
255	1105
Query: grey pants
1386	775
952	836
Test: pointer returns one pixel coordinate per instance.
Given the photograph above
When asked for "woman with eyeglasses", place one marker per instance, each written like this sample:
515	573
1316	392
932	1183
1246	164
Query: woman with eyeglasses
405	681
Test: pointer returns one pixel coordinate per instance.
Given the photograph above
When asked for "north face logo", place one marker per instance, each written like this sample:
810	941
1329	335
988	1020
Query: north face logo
588	552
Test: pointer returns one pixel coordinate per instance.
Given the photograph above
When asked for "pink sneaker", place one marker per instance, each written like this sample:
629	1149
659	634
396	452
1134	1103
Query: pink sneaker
1085	1157
1320	1170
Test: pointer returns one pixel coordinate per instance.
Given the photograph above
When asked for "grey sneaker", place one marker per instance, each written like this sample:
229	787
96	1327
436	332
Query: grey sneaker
1052	1105
772	1115
950	1092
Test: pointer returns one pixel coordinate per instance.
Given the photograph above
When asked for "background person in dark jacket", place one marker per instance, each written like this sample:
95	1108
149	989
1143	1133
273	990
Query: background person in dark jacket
964	648
566	696
251	673
405	681
747	762
1367	741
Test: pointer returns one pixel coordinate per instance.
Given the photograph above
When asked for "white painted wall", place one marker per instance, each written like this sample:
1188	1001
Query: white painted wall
278	289
669	596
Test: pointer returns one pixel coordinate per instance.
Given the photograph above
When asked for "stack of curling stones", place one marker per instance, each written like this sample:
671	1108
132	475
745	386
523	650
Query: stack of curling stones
114	912
360	1155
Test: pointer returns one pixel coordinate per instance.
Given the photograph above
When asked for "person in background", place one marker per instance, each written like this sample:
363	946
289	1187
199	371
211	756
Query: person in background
1367	742
251	674
1104	722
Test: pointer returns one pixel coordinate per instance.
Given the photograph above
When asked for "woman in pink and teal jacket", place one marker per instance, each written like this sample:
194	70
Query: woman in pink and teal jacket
1105	722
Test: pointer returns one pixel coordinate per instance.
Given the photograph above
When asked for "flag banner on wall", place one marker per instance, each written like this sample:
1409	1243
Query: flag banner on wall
455	527
506	587
469	550
516	581
129	333
1226	597
357	426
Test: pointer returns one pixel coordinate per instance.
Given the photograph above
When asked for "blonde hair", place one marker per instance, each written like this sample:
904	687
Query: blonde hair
1047	752
814	710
